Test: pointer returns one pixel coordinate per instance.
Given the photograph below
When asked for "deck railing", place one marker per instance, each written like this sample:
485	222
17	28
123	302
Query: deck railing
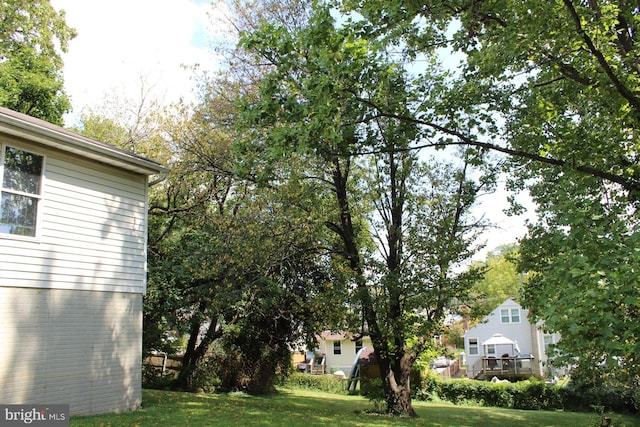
508	366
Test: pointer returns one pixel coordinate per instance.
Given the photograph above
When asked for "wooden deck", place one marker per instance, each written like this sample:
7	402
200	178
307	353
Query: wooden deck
506	368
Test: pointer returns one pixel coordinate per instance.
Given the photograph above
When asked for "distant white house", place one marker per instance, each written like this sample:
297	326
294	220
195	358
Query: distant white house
73	227
338	350
506	345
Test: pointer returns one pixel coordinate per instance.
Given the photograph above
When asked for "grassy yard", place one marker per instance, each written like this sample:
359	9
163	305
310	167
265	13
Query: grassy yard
306	408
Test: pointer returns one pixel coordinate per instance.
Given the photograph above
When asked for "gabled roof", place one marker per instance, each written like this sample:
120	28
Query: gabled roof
333	336
31	129
509	301
495	314
338	336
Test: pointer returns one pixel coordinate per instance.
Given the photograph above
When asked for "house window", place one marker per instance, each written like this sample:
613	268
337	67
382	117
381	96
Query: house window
21	187
491	349
358	346
337	347
473	346
510	315
548	340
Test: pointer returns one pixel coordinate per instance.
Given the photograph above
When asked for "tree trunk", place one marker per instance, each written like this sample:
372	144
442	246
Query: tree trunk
397	385
194	354
399	402
189	360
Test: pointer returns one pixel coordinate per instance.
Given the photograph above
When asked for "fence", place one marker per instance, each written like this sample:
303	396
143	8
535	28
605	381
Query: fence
168	364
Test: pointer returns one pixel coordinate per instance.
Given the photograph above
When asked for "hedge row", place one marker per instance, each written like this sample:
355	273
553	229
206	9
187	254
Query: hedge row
531	394
327	383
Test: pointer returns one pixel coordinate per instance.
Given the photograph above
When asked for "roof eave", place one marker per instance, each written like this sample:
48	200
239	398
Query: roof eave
47	134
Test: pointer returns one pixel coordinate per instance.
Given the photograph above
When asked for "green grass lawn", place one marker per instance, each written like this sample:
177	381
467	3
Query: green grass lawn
306	408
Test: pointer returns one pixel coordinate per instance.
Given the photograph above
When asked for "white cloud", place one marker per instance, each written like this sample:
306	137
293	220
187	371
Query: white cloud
119	41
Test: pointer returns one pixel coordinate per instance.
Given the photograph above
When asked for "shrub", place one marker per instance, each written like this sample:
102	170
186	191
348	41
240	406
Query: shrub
532	394
373	390
155	379
535	394
429	388
635	397
598	398
499	395
327	383
206	376
456	391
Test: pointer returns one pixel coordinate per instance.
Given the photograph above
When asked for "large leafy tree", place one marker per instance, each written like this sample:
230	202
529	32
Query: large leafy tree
233	265
501	281
399	227
554	86
32	37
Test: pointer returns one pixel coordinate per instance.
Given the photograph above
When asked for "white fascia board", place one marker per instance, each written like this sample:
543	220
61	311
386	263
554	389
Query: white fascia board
28	128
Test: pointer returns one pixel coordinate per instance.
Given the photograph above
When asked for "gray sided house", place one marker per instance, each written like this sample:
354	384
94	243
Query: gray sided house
507	345
73	227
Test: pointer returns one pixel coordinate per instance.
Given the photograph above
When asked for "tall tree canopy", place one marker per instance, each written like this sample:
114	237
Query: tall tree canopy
501	281
32	37
233	266
399	226
243	261
553	85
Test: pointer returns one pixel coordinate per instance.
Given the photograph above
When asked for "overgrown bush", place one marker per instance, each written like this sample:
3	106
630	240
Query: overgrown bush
206	377
372	389
598	398
635	396
534	394
327	383
155	379
429	388
531	394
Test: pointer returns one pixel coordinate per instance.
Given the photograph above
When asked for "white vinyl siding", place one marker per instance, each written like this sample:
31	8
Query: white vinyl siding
343	361
70	347
92	234
518	329
71	293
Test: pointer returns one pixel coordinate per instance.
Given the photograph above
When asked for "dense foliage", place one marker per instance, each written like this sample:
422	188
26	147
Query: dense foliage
33	35
553	86
326	383
400	224
532	395
334	112
234	265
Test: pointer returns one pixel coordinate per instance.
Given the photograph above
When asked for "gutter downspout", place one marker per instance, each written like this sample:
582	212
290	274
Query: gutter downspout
161	177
